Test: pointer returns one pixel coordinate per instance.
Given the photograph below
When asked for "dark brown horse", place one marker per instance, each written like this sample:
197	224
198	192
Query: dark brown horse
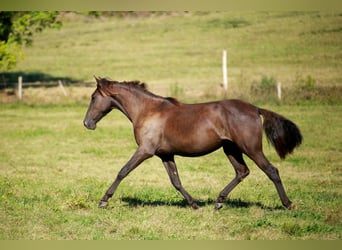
166	127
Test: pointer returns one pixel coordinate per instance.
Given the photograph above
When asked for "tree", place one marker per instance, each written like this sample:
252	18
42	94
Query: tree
17	30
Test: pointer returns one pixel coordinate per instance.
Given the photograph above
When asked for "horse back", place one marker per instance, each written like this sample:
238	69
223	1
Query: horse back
198	129
202	128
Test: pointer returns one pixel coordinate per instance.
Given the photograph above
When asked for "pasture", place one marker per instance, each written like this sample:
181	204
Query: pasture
53	171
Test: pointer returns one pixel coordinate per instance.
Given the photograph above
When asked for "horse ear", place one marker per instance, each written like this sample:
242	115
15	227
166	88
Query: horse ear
97	79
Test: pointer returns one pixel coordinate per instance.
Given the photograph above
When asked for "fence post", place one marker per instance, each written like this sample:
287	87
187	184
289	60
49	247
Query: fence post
279	90
62	87
20	87
224	71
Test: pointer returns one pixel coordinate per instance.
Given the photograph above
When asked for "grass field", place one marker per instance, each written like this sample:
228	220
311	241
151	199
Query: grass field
53	171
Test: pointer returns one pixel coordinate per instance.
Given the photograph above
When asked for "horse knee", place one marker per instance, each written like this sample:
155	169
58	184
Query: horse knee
122	174
242	174
246	173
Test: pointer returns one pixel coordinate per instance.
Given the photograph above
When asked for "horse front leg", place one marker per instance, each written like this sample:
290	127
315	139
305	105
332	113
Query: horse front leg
171	169
139	156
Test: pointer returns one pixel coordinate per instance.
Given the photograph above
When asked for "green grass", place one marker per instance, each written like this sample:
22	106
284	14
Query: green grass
53	173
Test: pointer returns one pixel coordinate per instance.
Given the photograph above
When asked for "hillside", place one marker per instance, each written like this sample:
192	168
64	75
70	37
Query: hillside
181	53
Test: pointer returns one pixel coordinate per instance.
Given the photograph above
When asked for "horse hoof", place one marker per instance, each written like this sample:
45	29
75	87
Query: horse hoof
103	204
194	206
218	206
292	207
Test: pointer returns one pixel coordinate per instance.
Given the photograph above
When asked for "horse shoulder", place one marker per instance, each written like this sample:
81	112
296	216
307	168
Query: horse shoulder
148	128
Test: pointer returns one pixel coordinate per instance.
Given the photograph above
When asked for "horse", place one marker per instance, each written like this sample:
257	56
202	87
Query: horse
165	127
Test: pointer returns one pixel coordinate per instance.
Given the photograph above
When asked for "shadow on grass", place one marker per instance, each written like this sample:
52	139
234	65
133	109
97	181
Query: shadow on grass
235	203
33	79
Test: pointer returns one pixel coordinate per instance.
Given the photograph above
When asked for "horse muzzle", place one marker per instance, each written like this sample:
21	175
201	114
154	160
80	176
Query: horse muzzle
89	125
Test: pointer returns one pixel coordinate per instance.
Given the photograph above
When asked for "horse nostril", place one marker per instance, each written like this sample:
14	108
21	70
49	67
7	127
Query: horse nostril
89	125
85	124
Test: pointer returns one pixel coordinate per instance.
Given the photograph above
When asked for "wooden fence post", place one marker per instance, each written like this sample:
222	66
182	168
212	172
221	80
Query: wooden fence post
224	71
279	90
20	87
62	87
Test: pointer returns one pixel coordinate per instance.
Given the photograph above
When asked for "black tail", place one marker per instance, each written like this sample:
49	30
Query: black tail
283	134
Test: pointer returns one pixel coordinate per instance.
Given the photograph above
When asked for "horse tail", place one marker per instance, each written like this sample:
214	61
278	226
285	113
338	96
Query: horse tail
282	133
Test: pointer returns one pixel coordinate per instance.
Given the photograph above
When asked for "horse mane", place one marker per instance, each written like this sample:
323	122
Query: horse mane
172	100
136	85
130	84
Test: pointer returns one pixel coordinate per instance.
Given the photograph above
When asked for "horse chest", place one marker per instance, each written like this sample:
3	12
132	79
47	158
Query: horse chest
148	130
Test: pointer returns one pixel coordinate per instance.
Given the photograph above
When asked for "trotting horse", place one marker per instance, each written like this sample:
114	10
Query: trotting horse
166	127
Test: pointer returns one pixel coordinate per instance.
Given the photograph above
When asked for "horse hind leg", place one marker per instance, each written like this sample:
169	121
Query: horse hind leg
234	155
172	171
273	174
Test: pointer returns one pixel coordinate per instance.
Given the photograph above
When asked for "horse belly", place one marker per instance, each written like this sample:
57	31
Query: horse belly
190	152
192	142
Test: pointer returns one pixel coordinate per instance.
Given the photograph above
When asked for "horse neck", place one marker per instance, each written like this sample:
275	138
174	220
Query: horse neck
133	103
